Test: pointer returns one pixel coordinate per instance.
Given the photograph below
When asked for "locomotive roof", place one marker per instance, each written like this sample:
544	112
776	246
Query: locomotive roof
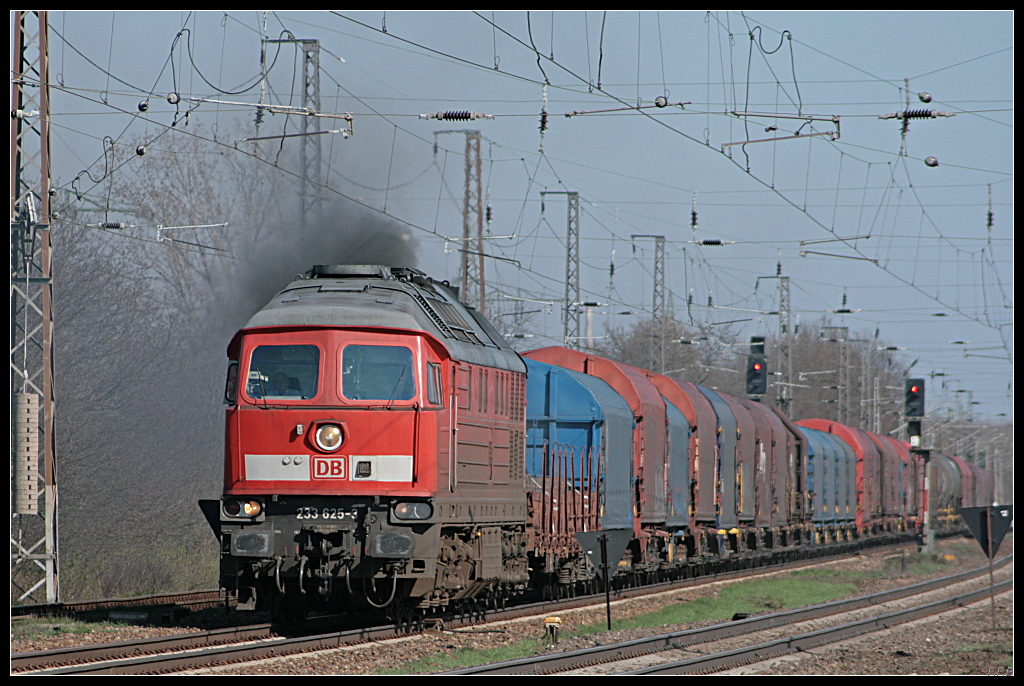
378	296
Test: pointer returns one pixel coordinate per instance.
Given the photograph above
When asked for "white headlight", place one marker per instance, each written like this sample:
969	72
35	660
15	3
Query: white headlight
329	437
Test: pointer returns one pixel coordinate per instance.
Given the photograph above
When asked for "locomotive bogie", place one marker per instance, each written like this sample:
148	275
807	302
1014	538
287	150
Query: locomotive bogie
315	543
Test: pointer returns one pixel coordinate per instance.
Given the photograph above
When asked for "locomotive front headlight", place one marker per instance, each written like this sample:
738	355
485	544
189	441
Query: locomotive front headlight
413	511
243	508
329	437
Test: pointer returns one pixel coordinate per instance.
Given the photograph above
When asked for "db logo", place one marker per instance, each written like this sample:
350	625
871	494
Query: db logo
329	467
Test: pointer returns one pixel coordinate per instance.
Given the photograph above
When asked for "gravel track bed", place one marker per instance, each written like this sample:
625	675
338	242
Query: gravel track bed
53	633
397	653
807	626
961	641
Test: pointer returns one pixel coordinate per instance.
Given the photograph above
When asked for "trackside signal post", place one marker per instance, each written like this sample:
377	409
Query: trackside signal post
927	535
602	548
989	524
757	369
913	408
913	411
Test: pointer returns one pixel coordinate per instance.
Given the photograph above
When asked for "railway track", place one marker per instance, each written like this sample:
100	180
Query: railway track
751	632
728	659
225	646
210	648
186	601
120	650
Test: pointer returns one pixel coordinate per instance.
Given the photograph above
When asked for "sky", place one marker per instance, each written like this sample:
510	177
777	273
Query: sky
774	134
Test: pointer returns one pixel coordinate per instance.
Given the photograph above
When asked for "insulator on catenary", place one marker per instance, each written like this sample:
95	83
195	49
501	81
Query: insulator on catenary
710	241
111	225
456	115
917	114
543	121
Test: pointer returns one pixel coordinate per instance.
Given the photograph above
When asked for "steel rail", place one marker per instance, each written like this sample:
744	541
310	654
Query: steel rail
210	656
546	664
130	653
215	656
40	659
207	598
791	644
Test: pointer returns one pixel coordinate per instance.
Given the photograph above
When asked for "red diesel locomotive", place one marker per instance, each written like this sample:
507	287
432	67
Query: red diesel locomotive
374	448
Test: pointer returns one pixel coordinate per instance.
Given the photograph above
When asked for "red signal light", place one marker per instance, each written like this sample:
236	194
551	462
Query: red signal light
757	375
913	398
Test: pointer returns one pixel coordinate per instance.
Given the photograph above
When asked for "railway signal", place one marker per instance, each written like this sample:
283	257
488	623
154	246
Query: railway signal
757	368
913	408
913	397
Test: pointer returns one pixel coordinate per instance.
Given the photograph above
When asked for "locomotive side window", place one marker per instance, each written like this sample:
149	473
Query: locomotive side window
482	395
231	385
434	386
463	379
485	395
284	371
499	394
377	372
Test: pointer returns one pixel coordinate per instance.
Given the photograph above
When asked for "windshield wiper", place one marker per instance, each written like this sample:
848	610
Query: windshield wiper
395	392
263	389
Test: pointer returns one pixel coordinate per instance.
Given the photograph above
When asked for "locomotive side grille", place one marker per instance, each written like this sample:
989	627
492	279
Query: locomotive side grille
422	302
517	398
455	321
516	457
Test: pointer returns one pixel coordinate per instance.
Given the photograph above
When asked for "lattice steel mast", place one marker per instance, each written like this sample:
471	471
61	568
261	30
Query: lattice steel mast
310	155
784	398
659	315
472	274
34	510
571	313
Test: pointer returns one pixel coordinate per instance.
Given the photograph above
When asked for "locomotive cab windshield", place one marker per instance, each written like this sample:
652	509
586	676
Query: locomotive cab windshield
283	371
377	372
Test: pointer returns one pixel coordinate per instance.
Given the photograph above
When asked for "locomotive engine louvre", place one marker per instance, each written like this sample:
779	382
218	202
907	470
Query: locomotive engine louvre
386	448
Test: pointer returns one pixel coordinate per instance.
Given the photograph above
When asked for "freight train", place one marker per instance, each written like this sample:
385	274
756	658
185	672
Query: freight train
386	448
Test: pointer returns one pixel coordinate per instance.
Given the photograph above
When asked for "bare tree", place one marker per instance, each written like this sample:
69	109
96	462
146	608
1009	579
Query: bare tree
868	392
116	354
140	352
705	355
